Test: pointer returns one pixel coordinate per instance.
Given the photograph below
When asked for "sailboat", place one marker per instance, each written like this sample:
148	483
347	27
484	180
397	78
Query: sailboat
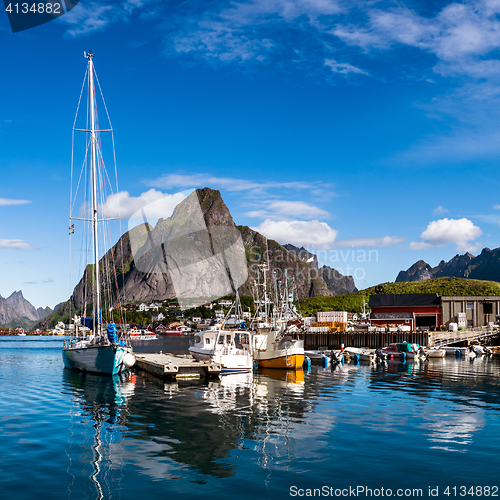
101	350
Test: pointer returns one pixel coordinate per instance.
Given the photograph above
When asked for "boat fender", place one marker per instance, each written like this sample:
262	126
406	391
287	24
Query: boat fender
307	363
356	358
324	361
403	356
128	360
255	366
458	353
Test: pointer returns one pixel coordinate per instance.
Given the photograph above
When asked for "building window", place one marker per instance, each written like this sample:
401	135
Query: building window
470	323
488	308
470	305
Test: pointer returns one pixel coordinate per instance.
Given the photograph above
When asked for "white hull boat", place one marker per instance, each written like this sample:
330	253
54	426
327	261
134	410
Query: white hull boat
435	353
231	348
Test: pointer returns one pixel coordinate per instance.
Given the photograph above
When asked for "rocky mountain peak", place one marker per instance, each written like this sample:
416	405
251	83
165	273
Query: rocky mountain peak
303	255
417	272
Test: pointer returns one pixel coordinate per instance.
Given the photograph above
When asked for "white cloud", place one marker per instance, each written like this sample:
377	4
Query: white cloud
386	241
4	202
496	207
440	210
154	203
282	208
419	245
461	232
170	181
87	18
16	245
300	233
217	40
343	68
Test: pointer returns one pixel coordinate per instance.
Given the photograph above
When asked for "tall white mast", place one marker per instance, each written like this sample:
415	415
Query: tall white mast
97	294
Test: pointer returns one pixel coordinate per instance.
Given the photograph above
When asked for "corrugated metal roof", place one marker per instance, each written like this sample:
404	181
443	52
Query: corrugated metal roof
404	300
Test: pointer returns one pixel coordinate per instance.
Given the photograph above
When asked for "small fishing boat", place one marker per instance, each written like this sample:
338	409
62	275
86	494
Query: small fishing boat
103	351
434	353
276	340
404	349
364	354
139	334
480	350
231	348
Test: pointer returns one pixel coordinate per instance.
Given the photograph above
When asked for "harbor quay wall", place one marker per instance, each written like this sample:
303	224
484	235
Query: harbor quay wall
372	340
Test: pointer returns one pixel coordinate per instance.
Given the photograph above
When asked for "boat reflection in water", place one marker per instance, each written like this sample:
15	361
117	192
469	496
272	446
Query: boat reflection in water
101	401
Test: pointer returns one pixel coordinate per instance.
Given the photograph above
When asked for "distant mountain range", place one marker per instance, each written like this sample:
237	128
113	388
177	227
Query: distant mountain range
16	311
485	266
336	283
200	252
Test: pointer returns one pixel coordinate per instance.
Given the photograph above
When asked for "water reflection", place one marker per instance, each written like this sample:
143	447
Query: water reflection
276	421
100	404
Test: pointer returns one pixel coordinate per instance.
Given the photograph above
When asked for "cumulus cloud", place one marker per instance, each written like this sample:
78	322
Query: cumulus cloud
4	202
155	204
282	208
16	245
384	242
300	233
461	232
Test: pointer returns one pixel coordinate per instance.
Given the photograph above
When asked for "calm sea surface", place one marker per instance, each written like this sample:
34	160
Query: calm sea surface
271	435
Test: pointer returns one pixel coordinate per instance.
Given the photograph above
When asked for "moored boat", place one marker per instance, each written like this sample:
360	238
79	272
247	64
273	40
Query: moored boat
435	353
102	351
231	348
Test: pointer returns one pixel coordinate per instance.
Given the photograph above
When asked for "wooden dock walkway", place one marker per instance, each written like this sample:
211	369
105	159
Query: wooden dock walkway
171	366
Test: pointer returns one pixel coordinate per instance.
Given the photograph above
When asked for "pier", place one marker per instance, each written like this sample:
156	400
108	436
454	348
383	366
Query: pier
374	340
171	366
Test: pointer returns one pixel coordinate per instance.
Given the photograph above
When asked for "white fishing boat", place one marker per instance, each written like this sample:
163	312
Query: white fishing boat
231	348
480	350
318	354
364	354
435	353
102	351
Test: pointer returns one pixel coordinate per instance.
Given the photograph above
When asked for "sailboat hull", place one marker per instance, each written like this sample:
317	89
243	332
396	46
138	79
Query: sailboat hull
106	360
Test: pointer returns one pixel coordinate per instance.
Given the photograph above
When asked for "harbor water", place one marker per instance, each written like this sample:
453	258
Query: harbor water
358	430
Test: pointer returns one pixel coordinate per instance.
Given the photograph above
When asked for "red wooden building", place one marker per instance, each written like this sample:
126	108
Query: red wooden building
417	310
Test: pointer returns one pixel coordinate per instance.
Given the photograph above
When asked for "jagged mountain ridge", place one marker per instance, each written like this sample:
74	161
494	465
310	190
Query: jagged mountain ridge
198	251
336	283
15	310
485	266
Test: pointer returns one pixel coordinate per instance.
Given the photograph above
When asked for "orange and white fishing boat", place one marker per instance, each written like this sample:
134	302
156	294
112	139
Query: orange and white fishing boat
276	342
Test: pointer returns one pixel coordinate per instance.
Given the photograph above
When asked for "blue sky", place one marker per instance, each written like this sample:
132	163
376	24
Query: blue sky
365	130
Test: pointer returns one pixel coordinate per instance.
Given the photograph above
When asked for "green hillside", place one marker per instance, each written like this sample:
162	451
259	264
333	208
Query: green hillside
442	286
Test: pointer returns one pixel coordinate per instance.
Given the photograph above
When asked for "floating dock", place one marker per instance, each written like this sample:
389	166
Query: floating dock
171	366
